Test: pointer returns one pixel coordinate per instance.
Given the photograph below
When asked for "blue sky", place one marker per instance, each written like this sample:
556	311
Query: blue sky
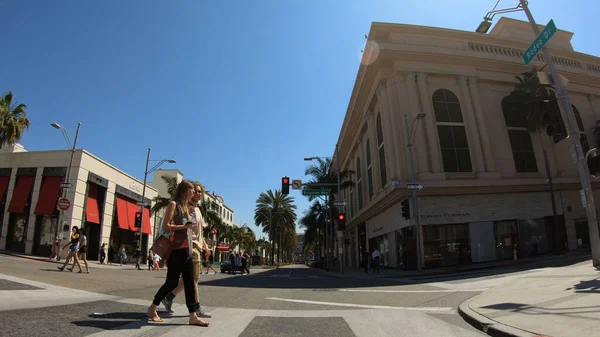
238	93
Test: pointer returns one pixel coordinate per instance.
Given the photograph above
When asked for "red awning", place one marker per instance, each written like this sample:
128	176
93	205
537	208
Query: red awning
225	248
146	221
20	194
92	213
3	186
122	213
46	204
132	208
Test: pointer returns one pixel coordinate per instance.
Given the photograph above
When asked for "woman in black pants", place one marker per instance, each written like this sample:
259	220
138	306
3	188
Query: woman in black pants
180	261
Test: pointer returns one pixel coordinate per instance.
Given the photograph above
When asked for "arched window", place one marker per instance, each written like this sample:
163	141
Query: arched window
452	133
520	140
369	169
381	152
359	189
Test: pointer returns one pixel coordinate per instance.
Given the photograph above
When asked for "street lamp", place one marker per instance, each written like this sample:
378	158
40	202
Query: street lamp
566	111
63	191
142	203
409	143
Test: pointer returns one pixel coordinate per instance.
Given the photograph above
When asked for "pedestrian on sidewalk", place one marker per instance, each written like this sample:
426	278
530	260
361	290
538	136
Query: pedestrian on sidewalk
73	248
376	259
150	260
102	253
366	258
137	254
122	254
54	254
245	259
211	261
178	222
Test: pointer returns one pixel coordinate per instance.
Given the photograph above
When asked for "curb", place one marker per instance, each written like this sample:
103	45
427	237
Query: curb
29	257
488	326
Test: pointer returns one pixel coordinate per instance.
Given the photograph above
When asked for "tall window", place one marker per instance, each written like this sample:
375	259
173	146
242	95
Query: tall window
359	189
381	150
451	130
520	141
369	170
585	146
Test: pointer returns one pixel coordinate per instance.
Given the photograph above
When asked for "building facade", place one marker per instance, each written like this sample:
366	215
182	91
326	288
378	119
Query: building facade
102	200
485	192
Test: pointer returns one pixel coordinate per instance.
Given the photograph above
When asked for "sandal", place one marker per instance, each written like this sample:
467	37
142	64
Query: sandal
200	323
70	269
153	316
61	268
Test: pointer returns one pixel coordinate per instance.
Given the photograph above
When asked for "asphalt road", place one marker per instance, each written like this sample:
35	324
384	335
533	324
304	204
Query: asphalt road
292	301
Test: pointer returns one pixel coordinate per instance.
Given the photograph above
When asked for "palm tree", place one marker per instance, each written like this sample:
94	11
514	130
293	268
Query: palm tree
161	203
323	172
313	221
13	120
533	105
274	211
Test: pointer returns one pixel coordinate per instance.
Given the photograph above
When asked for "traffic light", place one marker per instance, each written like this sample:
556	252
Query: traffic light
341	221
138	220
593	163
285	185
405	208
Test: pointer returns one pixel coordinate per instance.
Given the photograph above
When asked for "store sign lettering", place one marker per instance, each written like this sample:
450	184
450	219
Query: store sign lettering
135	187
445	215
15	161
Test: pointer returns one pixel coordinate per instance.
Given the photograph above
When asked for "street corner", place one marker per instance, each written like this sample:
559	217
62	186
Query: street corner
490	326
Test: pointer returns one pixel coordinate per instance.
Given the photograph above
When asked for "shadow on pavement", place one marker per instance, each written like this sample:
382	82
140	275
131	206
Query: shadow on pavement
311	278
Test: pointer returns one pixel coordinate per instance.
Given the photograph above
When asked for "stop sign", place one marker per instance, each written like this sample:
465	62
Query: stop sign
64	204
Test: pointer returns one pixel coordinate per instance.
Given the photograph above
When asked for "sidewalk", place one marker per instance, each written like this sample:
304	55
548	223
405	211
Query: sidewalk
556	302
530	262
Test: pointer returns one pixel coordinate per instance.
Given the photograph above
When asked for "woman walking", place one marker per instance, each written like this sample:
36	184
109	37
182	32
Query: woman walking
211	261
82	251
178	220
73	249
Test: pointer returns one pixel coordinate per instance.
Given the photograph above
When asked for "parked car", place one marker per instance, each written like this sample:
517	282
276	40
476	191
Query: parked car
226	267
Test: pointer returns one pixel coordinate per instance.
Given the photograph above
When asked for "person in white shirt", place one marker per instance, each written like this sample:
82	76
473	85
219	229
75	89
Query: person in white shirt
376	258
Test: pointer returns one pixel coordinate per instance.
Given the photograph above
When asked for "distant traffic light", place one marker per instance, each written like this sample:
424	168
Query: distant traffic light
285	185
341	221
138	220
405	208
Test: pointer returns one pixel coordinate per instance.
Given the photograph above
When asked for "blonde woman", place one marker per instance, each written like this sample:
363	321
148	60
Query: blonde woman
178	219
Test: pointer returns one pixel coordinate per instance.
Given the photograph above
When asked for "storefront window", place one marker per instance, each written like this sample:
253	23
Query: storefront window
48	230
446	245
507	238
534	239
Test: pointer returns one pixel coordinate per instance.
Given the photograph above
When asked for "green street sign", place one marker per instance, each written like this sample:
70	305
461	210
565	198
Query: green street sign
315	192
539	42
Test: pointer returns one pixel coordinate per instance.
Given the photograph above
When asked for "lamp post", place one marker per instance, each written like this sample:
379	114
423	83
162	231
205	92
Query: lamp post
566	111
409	136
142	203
63	191
327	210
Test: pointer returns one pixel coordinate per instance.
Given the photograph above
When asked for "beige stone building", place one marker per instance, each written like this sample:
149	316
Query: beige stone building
102	199
485	179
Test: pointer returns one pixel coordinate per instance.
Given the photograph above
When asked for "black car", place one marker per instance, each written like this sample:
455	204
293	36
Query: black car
226	267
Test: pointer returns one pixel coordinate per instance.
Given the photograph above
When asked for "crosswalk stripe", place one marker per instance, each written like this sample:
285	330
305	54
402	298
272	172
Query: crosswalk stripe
366	306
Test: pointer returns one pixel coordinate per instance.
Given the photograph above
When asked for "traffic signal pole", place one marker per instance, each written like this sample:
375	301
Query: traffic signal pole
566	111
414	192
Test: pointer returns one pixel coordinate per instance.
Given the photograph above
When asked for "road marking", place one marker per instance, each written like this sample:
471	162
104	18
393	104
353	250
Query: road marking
366	306
413	291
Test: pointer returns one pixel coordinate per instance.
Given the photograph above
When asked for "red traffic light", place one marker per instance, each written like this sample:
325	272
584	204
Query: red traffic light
341	217
286	180
138	215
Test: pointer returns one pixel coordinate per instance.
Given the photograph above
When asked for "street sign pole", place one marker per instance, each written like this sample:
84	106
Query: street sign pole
568	117
414	192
